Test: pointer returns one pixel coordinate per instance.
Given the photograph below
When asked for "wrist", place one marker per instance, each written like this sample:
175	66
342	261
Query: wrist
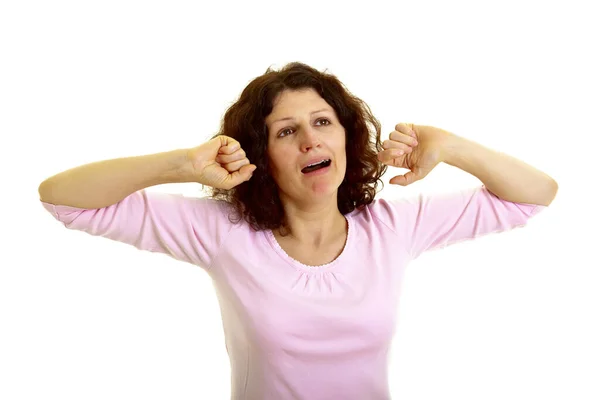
178	167
452	146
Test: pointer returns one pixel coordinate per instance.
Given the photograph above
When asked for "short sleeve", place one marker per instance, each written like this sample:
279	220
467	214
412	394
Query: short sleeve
188	229
430	221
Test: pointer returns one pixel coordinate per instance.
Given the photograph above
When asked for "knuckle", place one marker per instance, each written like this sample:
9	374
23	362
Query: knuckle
232	167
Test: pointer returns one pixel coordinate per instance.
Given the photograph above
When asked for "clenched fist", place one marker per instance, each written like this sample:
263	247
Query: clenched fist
220	163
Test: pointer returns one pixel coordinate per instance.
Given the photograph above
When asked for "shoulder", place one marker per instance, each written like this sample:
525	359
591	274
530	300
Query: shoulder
202	208
380	211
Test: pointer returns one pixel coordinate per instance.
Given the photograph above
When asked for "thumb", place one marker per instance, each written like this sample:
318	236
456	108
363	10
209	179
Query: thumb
243	174
405	179
247	170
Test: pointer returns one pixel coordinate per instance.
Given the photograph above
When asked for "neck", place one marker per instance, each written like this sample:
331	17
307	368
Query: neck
315	225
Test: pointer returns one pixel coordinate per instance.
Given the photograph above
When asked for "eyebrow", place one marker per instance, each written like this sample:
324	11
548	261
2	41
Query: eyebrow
290	118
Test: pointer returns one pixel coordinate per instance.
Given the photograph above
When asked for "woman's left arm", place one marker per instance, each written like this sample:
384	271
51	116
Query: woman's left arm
505	176
420	148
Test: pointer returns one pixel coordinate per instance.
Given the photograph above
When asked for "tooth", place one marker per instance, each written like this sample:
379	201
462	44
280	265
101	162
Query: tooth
317	163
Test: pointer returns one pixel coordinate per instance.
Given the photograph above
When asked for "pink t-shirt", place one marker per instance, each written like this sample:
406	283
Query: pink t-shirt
294	331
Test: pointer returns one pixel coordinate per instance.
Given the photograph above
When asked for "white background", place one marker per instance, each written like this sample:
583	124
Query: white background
508	316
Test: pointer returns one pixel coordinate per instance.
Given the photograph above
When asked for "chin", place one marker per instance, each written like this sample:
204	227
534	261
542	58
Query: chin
325	188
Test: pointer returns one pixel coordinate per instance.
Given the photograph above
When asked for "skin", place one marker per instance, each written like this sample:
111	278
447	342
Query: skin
310	203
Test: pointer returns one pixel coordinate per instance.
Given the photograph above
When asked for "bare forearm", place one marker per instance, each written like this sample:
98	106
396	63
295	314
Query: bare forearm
103	183
507	177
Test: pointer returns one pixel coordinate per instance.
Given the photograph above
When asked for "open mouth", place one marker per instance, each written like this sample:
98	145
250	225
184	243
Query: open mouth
316	166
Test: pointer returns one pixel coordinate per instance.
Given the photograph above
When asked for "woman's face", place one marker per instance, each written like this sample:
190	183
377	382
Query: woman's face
311	134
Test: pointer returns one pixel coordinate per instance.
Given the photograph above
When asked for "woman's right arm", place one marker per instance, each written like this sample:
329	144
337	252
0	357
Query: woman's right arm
107	198
103	183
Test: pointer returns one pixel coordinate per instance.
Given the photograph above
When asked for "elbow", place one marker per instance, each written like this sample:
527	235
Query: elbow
550	192
45	191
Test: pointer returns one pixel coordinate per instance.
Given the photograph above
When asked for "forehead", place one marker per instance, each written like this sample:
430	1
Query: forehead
288	103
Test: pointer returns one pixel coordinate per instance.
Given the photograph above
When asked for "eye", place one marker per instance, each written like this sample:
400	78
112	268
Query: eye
324	119
282	133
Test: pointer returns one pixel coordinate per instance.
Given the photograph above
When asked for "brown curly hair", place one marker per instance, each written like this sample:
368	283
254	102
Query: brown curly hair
257	200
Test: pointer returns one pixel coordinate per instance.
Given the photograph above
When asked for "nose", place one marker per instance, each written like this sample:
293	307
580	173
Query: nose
309	138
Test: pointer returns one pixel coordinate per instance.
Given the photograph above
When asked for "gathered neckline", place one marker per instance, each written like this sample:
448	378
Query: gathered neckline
313	268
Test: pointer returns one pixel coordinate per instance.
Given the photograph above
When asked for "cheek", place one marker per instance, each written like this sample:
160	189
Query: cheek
342	155
279	161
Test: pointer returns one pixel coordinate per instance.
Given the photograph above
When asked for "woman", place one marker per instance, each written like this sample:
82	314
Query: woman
307	265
